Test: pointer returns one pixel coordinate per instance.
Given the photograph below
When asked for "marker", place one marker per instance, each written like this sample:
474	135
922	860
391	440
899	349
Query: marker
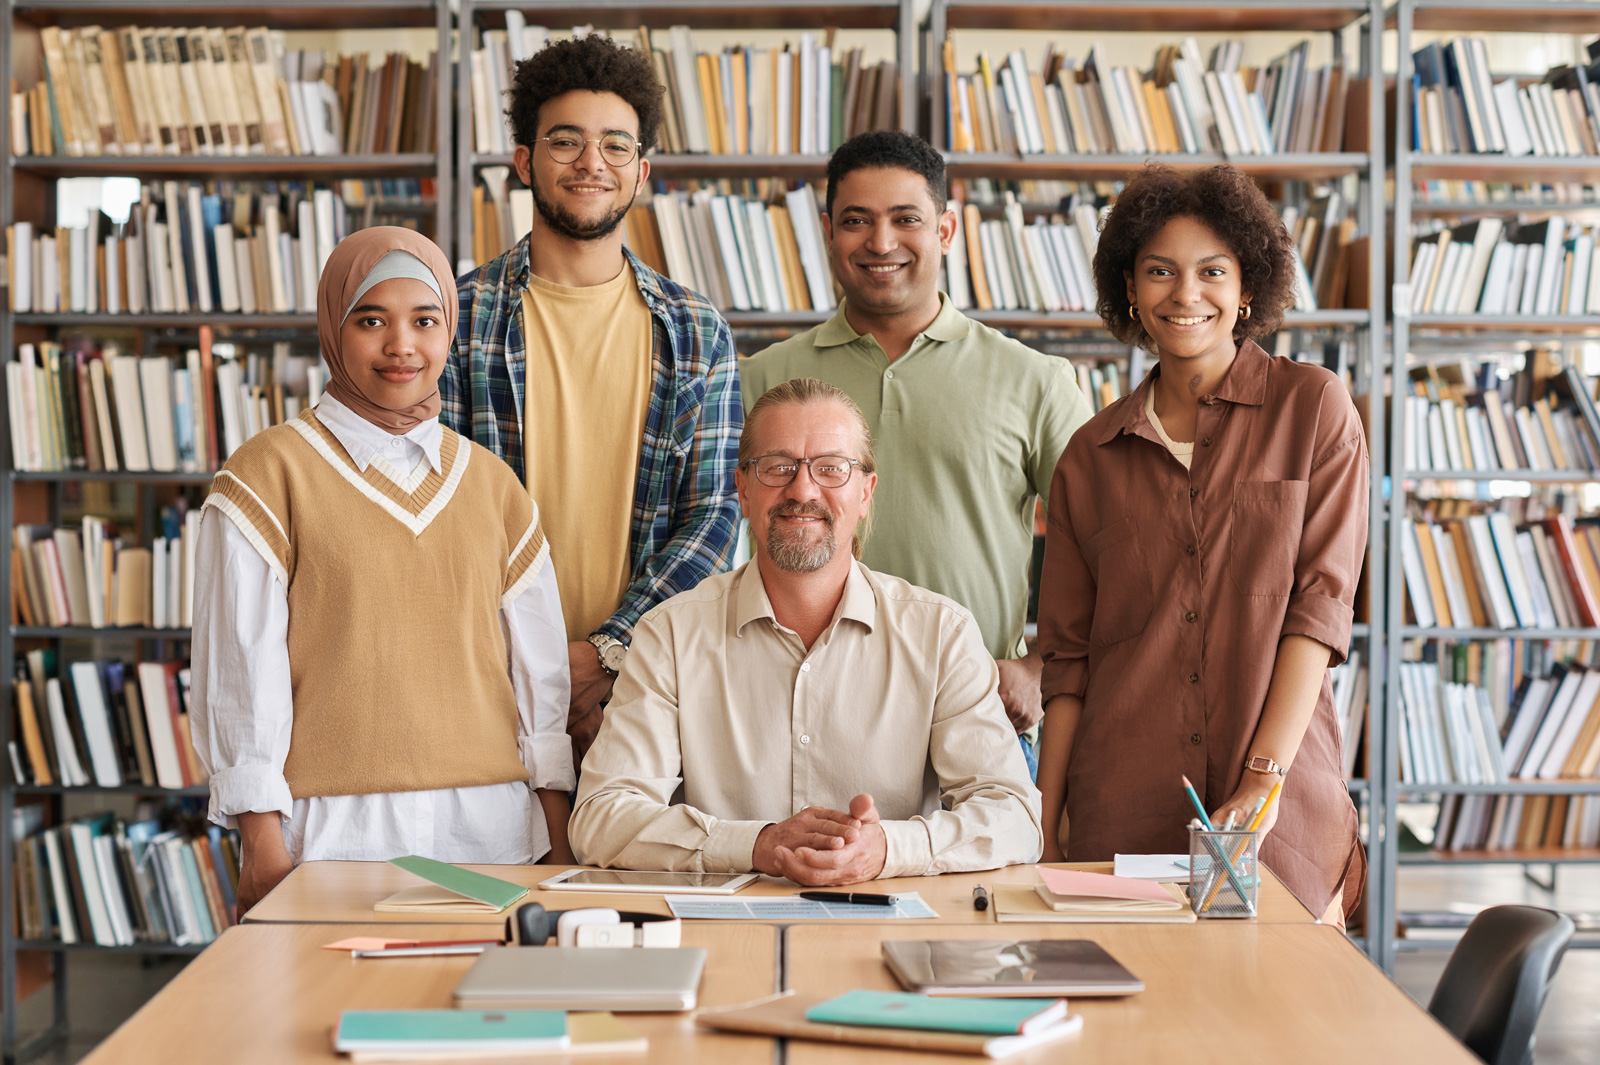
848	896
980	897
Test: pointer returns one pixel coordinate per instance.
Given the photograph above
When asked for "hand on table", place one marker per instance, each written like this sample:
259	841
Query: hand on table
591	686
818	847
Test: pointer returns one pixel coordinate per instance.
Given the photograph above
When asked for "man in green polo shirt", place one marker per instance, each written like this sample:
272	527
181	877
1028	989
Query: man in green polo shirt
967	423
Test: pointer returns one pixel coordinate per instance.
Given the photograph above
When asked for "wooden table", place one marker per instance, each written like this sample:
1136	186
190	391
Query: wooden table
344	892
269	994
1222	992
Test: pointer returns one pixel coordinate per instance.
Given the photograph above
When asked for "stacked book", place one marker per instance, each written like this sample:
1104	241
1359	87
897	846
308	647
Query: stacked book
1481	571
1182	104
210	91
106	724
1454	429
93	577
185	247
98	880
1517	822
97	409
1490	266
741	254
802	98
1457	106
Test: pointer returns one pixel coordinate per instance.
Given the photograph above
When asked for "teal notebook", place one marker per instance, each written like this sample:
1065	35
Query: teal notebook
450	889
450	1030
901	1009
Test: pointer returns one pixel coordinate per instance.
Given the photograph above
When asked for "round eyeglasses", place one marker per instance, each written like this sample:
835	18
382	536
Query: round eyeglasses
828	471
616	148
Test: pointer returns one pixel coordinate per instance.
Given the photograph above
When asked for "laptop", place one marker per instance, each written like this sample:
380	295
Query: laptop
1008	968
582	978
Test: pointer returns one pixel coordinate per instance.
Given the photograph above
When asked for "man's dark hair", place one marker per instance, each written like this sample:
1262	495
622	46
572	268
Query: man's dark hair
1228	203
888	148
594	64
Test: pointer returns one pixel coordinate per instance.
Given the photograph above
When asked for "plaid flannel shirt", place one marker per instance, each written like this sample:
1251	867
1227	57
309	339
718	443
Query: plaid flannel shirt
685	512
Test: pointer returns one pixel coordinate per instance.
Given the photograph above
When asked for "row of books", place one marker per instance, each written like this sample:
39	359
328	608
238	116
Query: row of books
742	254
1181	104
1483	572
105	723
91	408
1516	822
212	91
94	577
1350	681
1490	266
103	881
1481	432
185	247
1457	106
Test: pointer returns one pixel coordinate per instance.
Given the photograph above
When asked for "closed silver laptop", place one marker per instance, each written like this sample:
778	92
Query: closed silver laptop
582	978
1007	968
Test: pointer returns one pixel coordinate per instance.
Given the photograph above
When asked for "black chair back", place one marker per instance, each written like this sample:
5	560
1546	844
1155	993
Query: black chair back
1497	978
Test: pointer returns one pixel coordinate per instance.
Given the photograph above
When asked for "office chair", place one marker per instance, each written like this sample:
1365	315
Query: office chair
1496	980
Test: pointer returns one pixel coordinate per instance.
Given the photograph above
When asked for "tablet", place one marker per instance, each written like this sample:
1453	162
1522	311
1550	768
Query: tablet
633	882
1007	968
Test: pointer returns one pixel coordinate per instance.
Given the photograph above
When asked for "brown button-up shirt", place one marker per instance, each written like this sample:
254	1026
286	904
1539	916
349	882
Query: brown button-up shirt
1164	596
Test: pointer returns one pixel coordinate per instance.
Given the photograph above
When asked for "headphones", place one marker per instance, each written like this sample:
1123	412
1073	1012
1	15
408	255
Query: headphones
532	926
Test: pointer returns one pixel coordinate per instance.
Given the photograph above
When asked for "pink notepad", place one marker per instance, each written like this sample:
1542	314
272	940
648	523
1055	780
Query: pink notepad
1101	885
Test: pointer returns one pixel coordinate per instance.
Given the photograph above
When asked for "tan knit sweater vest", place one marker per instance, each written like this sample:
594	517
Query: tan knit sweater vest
396	656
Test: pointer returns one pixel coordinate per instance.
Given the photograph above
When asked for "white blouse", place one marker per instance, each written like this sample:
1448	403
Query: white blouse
242	709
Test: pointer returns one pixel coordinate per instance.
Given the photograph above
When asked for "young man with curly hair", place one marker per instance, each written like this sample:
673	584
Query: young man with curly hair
611	389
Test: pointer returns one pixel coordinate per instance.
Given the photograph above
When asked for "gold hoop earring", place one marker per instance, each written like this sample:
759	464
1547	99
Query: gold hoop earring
1244	312
1133	312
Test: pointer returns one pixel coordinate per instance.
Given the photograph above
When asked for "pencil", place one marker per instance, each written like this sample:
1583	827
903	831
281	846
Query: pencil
1255	823
1201	810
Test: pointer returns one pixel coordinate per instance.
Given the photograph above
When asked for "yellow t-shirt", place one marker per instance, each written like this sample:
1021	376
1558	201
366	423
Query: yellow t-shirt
584	405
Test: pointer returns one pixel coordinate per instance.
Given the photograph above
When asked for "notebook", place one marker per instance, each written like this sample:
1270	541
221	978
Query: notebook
582	978
998	968
1019	902
451	889
785	1015
898	1009
587	1033
498	1032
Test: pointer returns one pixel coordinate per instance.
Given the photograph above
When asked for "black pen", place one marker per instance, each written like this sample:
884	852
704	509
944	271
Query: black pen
848	896
980	897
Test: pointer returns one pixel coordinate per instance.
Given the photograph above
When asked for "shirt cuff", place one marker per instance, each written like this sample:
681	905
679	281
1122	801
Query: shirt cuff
548	757
910	850
1066	677
248	789
730	847
1322	619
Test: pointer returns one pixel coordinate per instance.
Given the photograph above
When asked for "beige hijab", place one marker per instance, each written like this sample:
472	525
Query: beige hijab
342	280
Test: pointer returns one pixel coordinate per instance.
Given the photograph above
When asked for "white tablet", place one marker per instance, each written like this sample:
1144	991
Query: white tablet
632	882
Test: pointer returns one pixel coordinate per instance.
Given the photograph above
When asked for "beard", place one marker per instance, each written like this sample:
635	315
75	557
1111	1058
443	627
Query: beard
570	225
793	550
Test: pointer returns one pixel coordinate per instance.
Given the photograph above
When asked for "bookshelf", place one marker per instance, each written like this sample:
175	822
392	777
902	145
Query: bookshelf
1426	338
27	193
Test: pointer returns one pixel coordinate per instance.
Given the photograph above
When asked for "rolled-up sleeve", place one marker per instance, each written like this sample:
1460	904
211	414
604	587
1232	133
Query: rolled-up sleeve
1333	536
1066	587
536	644
241	707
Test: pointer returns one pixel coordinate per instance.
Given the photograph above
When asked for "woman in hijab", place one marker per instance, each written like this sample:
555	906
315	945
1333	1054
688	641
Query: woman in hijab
379	655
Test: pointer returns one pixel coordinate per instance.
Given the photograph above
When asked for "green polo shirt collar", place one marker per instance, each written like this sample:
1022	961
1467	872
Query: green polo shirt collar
949	324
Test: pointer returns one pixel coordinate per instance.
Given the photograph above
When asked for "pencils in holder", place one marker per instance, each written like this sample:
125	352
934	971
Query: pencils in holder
1255	825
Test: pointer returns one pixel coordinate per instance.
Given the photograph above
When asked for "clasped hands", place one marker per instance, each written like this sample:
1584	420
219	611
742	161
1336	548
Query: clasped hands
818	847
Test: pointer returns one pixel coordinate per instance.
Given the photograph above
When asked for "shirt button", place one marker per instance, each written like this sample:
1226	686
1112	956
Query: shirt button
888	375
1195	739
805	667
1194	678
805	739
1193	492
1206	442
1188	549
1190	616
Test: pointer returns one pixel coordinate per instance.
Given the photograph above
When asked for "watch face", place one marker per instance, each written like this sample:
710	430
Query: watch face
612	657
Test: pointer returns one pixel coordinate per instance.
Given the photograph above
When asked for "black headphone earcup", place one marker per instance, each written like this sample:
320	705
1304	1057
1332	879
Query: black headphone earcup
533	925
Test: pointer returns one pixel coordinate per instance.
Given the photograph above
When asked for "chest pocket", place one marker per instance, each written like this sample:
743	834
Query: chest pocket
1264	535
1122	602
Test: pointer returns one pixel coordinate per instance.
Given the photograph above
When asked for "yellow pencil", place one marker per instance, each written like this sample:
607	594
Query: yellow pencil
1255	823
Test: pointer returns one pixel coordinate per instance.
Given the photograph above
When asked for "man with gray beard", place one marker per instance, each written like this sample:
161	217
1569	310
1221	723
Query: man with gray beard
804	716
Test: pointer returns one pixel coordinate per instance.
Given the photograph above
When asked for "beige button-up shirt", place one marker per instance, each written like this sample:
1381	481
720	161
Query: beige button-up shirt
723	722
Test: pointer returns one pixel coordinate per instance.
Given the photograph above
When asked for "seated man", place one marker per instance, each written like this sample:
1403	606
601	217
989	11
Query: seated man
804	716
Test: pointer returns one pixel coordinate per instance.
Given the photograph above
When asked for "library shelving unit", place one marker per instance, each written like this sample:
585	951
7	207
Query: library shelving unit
618	15
1414	338
27	193
1362	19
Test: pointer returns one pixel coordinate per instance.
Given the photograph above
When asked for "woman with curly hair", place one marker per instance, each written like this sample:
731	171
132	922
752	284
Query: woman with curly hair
1205	538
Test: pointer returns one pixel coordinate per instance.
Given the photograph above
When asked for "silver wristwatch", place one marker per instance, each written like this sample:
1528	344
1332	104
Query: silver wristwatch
612	652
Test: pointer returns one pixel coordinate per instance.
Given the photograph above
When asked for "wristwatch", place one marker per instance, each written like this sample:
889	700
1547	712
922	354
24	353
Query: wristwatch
1259	764
612	652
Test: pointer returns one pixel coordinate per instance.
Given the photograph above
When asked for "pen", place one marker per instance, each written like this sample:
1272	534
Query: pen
421	952
848	896
980	897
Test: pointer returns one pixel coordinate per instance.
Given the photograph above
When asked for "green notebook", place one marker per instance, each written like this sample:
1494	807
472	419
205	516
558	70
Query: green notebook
901	1009
450	889
444	1031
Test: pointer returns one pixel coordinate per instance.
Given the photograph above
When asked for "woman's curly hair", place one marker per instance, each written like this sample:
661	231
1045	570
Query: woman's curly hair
1232	207
592	64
